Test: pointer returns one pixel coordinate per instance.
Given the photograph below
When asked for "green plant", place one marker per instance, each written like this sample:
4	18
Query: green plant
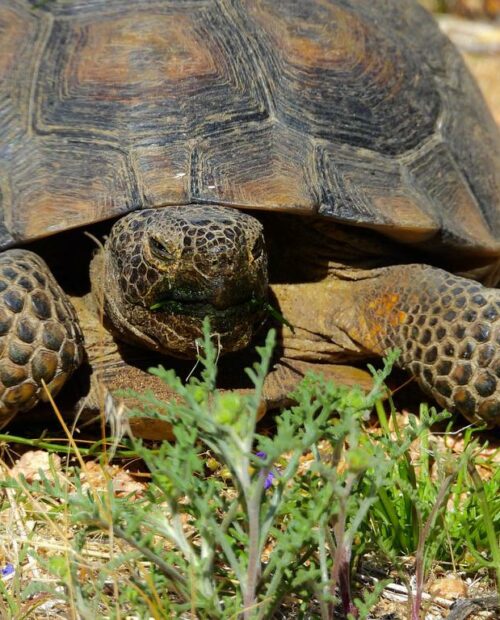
251	547
235	524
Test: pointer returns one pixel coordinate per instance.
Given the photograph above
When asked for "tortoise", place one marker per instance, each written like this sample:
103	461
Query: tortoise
334	154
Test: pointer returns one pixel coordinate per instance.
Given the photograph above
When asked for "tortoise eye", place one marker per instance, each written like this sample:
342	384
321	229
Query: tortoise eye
159	250
258	248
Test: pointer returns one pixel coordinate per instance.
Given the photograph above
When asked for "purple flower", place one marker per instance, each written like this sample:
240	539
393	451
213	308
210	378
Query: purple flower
7	570
270	475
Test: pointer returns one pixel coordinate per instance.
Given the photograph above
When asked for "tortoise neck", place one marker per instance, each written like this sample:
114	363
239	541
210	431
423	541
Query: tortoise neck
311	249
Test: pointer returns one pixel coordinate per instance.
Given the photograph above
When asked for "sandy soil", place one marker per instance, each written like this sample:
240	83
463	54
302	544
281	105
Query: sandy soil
479	43
486	69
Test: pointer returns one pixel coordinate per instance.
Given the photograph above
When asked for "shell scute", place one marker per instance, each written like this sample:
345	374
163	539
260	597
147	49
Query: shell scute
339	107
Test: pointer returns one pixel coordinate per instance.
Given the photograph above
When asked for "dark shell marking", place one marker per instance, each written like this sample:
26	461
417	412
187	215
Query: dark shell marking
40	338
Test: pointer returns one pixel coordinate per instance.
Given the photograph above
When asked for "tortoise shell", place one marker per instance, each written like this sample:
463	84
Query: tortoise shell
358	110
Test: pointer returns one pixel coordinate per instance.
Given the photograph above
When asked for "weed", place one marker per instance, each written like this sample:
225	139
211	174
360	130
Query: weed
287	525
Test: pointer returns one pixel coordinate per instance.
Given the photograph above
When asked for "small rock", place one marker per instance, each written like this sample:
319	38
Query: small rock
96	476
35	461
450	588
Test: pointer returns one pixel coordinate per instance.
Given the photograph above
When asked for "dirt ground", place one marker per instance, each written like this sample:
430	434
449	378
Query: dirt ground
486	69
479	43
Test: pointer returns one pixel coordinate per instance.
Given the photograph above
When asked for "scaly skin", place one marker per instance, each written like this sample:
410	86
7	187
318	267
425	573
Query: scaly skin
40	338
194	261
446	326
448	330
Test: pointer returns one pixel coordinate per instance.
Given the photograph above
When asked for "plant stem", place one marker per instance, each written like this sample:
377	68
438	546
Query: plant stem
178	582
488	522
253	569
62	448
422	538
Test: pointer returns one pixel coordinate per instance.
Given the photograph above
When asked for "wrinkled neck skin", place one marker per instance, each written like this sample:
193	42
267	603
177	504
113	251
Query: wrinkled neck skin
346	291
340	287
311	249
313	265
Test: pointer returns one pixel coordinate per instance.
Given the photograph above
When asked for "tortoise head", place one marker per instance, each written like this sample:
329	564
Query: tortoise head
166	269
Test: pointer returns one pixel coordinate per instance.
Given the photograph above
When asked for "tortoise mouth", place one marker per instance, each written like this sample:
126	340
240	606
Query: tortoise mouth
234	325
201	309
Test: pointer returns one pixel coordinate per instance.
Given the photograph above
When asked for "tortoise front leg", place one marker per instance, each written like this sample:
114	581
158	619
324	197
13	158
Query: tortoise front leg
447	329
40	338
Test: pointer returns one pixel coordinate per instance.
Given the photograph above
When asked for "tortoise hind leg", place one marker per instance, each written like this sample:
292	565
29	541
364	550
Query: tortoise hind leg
448	330
40	338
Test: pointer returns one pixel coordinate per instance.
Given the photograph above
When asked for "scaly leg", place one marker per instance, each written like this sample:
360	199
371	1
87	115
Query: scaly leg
447	328
40	338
